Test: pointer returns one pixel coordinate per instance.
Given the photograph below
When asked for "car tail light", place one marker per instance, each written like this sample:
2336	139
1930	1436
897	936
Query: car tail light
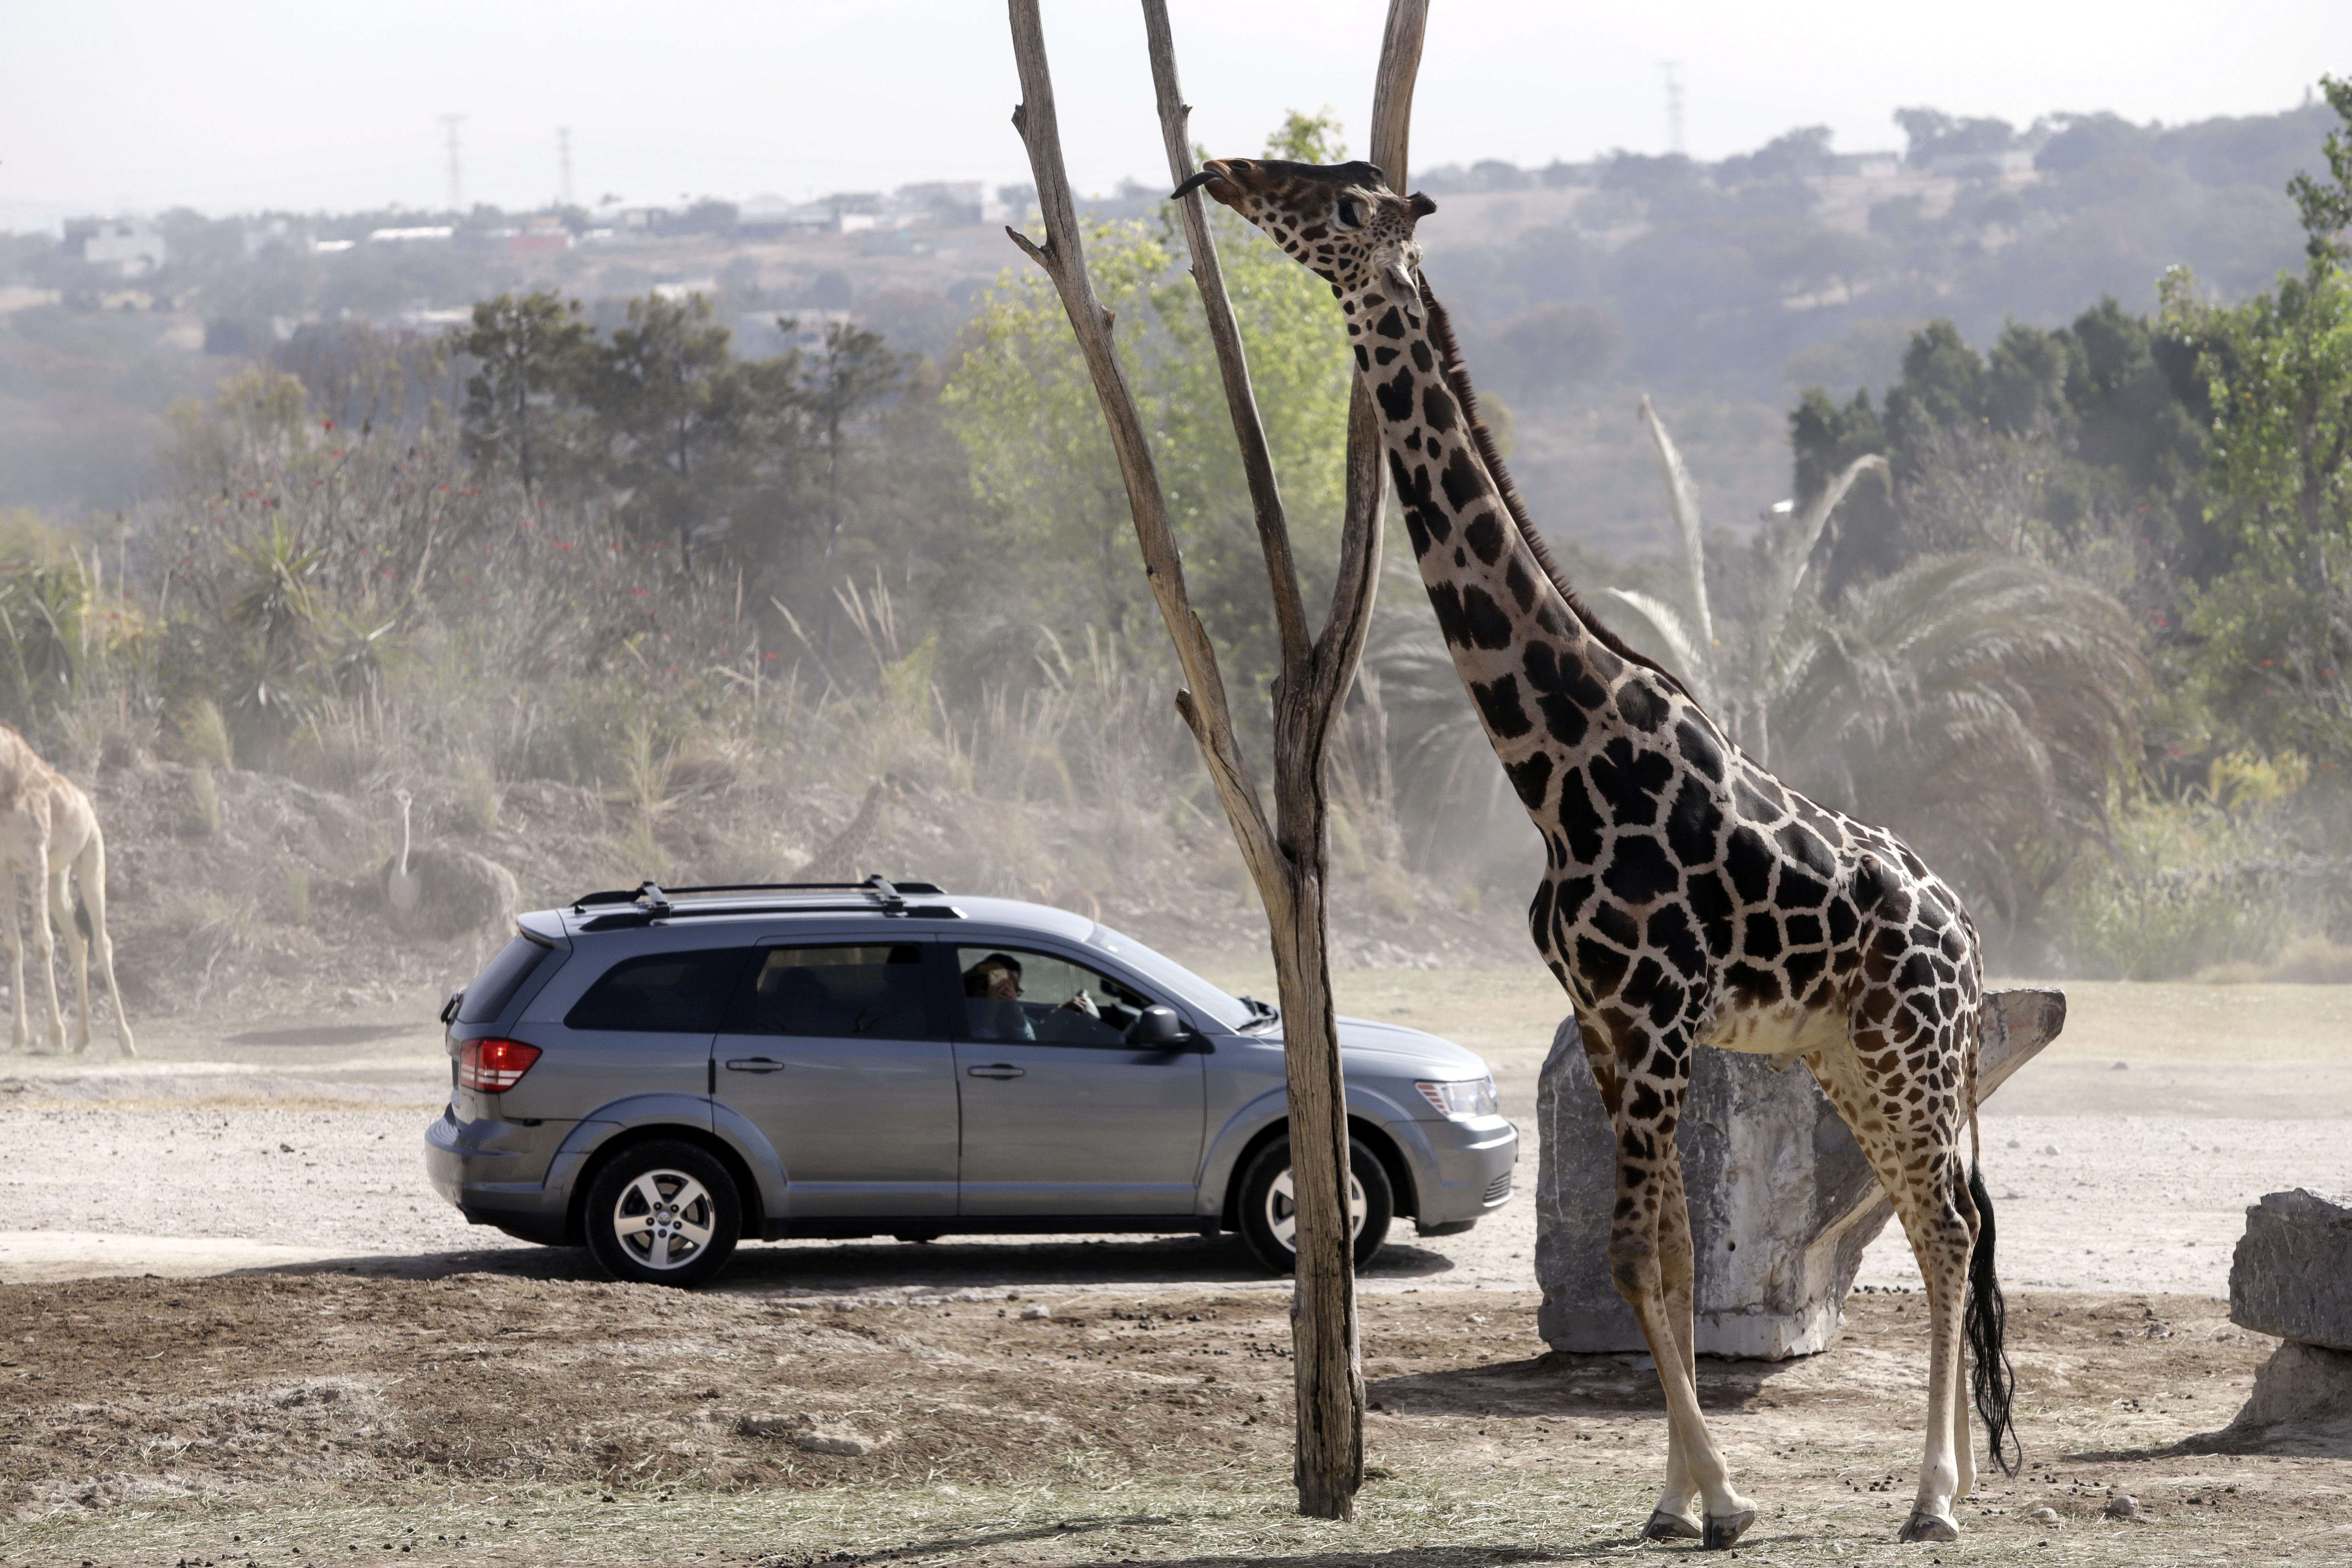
494	1066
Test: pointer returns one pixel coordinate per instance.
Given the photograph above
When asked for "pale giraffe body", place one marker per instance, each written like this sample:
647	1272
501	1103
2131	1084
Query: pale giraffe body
50	837
1688	897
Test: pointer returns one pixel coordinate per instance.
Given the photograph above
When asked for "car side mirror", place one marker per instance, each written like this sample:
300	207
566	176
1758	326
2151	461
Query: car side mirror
1161	1029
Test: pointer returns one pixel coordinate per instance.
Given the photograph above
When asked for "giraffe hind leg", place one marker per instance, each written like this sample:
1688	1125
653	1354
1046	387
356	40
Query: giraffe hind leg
91	873
1912	1144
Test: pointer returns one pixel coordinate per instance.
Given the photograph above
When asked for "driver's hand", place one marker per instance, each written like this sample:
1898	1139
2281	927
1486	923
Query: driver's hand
1082	1003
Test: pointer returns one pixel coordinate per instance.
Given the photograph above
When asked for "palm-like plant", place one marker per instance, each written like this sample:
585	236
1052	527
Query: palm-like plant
1979	704
1735	674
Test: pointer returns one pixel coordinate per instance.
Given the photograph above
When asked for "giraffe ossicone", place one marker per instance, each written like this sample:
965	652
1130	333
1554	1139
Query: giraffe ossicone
1688	898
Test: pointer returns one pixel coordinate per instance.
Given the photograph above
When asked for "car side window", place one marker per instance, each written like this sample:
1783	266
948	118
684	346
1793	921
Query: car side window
662	992
1017	994
839	993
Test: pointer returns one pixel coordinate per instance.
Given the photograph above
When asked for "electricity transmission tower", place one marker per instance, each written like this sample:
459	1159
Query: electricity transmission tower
449	123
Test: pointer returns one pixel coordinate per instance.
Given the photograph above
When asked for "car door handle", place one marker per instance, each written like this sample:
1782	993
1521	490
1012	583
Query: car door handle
999	1069
754	1064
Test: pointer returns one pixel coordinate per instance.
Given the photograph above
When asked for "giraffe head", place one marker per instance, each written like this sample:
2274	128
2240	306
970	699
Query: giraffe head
1340	221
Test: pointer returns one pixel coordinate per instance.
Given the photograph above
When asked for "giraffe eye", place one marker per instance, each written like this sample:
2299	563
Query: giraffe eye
1349	215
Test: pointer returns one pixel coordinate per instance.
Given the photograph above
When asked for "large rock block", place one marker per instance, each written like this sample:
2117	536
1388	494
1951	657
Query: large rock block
1781	1201
2292	1275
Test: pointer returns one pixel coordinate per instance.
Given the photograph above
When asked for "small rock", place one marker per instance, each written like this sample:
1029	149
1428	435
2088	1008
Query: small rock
2015	1144
806	1433
2044	1515
2123	1507
2050	1148
1036	1310
2120	1067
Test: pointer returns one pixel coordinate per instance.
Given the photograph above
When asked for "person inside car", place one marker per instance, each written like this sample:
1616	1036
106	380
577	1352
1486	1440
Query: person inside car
992	989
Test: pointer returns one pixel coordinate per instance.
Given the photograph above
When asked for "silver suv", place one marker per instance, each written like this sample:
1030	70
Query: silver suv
659	1075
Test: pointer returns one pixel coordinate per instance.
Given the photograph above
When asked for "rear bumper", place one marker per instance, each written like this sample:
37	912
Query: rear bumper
499	1173
1474	1169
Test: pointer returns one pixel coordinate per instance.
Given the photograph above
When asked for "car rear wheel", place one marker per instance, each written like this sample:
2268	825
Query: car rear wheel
1269	1206
663	1214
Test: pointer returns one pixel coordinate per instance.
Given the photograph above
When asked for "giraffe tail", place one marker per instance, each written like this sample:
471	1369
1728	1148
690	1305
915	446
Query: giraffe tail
1986	1325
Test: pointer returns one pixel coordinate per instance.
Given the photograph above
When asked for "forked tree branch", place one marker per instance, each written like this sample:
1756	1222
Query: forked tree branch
1289	862
1315	701
1202	702
1225	333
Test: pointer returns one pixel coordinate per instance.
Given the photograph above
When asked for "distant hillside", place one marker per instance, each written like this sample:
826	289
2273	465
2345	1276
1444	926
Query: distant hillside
1722	288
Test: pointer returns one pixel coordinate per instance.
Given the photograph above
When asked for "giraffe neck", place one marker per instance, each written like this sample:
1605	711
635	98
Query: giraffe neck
1544	676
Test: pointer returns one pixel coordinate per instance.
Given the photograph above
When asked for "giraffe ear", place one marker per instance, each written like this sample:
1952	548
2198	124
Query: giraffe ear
1421	205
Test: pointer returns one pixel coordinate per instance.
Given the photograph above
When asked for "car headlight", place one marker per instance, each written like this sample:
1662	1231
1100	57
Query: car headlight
1461	1099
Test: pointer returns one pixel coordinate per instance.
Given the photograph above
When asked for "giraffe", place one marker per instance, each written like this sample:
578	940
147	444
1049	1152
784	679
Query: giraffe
49	834
836	861
1688	898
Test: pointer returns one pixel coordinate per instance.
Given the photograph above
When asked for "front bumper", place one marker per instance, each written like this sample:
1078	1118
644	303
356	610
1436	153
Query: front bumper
1475	1160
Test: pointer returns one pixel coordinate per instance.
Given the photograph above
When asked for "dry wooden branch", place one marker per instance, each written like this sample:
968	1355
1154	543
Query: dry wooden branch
1288	858
1203	699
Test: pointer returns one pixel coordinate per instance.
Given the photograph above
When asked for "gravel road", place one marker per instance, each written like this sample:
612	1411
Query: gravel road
224	1151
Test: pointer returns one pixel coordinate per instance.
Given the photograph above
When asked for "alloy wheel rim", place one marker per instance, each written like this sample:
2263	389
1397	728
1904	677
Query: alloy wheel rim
664	1219
1282	1209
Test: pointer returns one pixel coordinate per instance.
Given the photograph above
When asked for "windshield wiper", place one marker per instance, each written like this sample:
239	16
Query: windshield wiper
1266	1015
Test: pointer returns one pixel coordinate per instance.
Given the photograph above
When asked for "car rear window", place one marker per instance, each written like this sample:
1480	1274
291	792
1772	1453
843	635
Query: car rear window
836	992
503	977
662	992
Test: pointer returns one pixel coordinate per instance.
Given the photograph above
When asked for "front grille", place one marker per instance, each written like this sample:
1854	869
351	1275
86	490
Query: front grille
1498	1189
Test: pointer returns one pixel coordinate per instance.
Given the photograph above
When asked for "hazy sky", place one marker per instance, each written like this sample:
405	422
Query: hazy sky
132	104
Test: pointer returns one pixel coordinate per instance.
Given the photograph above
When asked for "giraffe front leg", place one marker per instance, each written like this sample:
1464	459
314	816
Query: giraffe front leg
61	911
1676	1516
1645	1116
45	954
20	1030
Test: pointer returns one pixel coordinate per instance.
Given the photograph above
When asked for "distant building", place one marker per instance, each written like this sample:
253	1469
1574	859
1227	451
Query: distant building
2008	160
1870	165
131	247
539	234
440	234
759	334
929	204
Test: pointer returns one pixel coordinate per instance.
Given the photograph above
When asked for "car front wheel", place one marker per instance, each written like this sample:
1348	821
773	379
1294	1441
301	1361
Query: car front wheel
1269	1206
663	1214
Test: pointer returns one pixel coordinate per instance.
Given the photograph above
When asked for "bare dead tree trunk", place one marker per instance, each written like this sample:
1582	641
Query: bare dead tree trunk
1288	857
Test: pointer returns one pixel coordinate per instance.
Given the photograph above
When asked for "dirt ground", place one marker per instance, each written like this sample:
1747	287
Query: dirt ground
381	1378
478	1420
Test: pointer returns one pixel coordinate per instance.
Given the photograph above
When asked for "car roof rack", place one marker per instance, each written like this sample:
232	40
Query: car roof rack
649	900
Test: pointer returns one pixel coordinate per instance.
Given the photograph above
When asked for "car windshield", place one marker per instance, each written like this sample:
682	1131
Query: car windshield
1172	977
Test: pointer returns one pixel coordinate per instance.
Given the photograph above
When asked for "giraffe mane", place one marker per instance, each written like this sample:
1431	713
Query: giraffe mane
1457	380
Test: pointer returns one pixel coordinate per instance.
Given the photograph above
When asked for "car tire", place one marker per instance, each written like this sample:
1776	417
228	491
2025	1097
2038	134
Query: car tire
1266	1208
663	1214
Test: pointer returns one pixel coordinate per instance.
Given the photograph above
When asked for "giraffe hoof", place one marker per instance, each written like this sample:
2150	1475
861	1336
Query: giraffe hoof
1726	1529
1927	1527
1664	1526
